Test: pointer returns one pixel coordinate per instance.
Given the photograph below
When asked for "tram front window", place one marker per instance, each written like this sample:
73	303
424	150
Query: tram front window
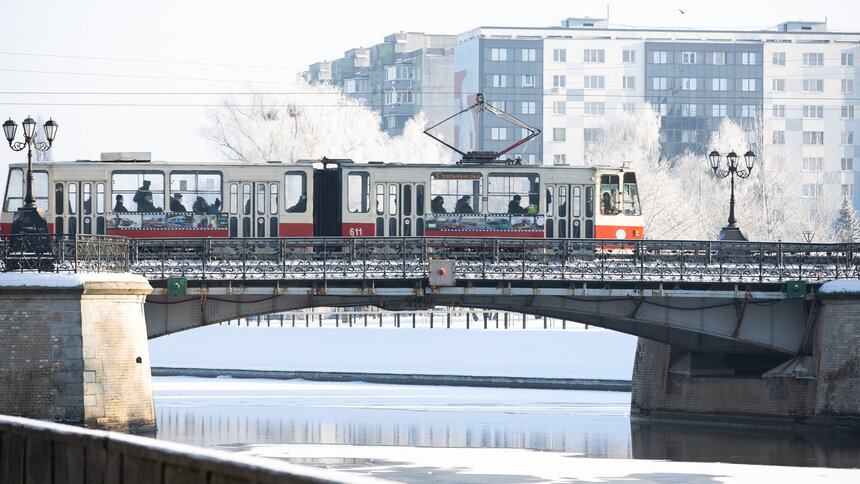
609	195
631	195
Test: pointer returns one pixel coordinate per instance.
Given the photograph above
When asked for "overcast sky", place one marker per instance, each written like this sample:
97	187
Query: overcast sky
55	52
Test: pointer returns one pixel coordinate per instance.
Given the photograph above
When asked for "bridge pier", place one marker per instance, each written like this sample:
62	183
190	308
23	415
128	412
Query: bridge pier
820	391
73	348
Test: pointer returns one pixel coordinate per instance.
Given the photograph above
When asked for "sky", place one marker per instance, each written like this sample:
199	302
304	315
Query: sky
139	76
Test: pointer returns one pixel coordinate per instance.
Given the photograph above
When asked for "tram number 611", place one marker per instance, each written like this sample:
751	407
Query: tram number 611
356	231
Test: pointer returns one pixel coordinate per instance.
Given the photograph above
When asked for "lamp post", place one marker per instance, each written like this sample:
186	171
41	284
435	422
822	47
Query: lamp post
732	231
30	219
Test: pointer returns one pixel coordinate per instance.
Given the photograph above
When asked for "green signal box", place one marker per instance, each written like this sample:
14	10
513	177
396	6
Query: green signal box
795	289
177	286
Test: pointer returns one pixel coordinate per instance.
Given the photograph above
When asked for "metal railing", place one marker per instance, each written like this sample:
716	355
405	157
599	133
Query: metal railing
64	253
329	259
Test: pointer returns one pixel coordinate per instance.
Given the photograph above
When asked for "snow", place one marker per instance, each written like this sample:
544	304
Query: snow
570	353
840	286
51	279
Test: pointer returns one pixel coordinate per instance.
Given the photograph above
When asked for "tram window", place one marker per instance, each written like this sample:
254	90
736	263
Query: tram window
234	198
358	192
87	196
392	199
576	209
380	198
562	201
15	190
261	198
246	199
59	198
100	198
133	186
631	195
589	202
194	184
513	193
295	192
460	192
407	200
609	194
273	198
73	198
549	202
419	200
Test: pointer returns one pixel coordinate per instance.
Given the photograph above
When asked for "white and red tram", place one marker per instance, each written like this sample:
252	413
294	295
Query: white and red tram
328	198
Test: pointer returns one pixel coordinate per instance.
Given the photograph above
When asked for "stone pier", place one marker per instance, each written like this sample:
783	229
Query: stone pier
73	348
817	391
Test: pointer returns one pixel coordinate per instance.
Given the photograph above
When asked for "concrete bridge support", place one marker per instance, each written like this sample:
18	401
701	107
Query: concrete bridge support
73	348
819	390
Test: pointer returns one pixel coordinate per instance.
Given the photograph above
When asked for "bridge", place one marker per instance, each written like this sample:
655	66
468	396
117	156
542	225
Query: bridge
702	308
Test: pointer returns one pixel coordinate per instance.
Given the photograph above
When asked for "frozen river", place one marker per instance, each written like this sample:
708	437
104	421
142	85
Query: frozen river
462	434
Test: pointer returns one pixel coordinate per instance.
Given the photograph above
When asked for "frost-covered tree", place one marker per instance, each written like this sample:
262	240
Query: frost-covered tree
847	228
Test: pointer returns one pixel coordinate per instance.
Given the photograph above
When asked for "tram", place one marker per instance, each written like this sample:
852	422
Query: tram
128	194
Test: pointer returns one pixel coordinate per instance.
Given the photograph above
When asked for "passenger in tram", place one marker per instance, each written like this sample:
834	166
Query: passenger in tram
514	207
300	206
215	207
119	207
176	203
608	206
463	205
200	205
437	205
146	205
140	196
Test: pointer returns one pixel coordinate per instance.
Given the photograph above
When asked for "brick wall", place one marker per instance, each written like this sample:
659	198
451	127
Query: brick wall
836	353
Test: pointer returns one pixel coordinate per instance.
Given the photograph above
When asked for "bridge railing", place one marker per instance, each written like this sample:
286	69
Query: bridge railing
64	253
496	259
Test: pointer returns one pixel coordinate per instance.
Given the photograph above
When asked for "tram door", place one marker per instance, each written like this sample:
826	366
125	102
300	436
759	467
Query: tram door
327	196
79	207
249	210
569	211
400	209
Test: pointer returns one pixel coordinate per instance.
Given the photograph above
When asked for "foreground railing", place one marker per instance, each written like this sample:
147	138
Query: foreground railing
69	253
324	259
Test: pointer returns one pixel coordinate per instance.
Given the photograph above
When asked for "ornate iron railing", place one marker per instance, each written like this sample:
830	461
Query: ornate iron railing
70	253
324	259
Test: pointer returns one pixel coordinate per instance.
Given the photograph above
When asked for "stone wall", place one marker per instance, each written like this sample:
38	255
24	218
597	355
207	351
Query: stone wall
836	351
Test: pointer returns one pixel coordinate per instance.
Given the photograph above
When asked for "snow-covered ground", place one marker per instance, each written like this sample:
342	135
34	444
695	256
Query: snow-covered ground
553	353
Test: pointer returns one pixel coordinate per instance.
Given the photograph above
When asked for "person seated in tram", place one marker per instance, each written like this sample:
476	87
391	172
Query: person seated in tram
140	196
200	205
300	206
119	207
463	205
146	205
514	207
215	207
437	205
176	203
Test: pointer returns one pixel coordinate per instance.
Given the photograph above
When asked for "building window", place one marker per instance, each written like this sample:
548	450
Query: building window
628	56
778	85
848	137
813	59
398	72
594	108
748	111
593	55
813	137
558	107
660	83
558	134
813	85
779	58
688	84
559	55
848	190
629	107
499	133
399	97
847	85
558	81
847	112
499	80
812	164
499	54
719	110
628	82
748	58
528	80
529	55
779	137
689	136
718	58
847	59
528	107
662	109
660	56
688	110
779	110
559	159
688	57
500	105
747	85
591	135
812	190
594	82
813	112
847	164
720	84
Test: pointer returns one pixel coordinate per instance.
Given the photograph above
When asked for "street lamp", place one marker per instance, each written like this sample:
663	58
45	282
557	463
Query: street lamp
732	231
30	219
